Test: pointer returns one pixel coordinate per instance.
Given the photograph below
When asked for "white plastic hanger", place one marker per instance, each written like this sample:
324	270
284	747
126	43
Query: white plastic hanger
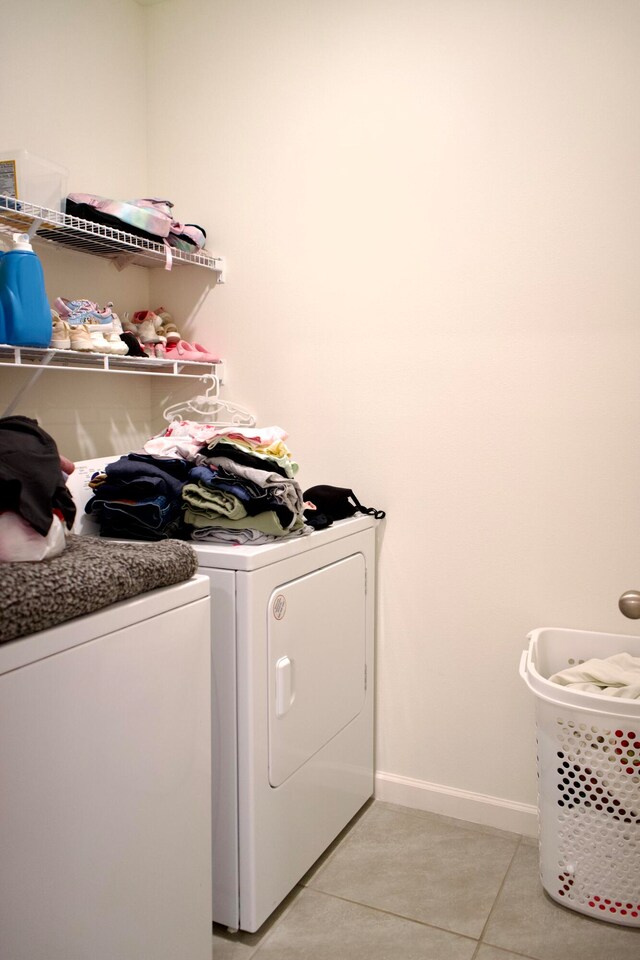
208	407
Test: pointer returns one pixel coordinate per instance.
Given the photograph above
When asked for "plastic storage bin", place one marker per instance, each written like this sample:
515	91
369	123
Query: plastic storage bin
588	779
33	179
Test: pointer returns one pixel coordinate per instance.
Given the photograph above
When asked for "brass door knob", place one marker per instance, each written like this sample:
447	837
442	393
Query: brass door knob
629	604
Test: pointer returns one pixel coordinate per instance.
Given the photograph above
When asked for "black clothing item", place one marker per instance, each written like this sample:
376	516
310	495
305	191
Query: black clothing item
319	521
338	503
134	345
31	481
222	449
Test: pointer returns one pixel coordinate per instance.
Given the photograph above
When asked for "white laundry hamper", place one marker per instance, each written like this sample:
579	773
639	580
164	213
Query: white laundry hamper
588	779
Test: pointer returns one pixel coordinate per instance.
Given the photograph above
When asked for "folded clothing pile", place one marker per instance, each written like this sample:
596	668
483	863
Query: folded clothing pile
227	484
232	501
241	486
138	497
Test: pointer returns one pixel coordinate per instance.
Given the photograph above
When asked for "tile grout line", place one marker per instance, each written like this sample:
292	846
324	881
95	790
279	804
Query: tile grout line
300	886
267	936
481	941
327	855
496	898
479	828
398	916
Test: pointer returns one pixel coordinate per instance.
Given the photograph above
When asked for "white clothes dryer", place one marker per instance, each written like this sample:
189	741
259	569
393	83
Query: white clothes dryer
105	732
292	638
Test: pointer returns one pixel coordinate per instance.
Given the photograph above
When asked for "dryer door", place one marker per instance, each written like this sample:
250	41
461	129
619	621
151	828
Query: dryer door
316	638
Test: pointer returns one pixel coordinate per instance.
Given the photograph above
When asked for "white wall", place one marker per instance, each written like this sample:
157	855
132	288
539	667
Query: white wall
430	213
73	79
74	91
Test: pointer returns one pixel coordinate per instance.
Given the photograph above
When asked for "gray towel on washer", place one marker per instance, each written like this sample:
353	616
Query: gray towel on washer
90	574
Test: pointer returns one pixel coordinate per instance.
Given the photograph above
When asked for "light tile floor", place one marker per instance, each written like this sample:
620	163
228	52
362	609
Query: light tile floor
399	883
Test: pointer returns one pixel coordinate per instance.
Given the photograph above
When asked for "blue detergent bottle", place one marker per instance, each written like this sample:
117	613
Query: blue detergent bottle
25	315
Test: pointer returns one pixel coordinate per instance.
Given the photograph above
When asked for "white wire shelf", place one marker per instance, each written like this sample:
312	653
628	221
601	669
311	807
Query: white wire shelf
50	359
41	223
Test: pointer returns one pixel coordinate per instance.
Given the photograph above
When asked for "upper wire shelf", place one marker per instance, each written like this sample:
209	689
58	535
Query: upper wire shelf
51	359
19	216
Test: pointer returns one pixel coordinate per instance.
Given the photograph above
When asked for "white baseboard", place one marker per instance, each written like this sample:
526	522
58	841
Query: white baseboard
461	804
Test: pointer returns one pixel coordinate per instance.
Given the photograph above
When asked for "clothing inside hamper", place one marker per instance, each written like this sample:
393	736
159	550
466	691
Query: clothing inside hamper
615	676
90	574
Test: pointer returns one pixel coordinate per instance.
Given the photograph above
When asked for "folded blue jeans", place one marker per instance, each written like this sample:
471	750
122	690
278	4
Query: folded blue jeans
153	514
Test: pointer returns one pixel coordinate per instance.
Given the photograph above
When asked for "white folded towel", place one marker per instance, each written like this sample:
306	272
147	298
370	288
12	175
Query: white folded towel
617	676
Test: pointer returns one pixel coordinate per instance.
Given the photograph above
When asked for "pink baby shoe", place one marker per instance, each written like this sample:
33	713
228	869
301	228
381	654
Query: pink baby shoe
184	351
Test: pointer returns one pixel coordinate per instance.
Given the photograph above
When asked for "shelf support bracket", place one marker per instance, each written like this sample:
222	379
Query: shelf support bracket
33	229
27	386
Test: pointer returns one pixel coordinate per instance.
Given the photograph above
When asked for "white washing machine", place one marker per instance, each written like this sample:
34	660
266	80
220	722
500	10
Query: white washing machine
292	629
105	783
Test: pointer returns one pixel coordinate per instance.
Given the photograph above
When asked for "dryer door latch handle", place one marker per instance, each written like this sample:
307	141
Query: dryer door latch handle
284	686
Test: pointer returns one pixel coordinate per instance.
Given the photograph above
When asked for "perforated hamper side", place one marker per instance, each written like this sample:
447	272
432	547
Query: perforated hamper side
588	782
